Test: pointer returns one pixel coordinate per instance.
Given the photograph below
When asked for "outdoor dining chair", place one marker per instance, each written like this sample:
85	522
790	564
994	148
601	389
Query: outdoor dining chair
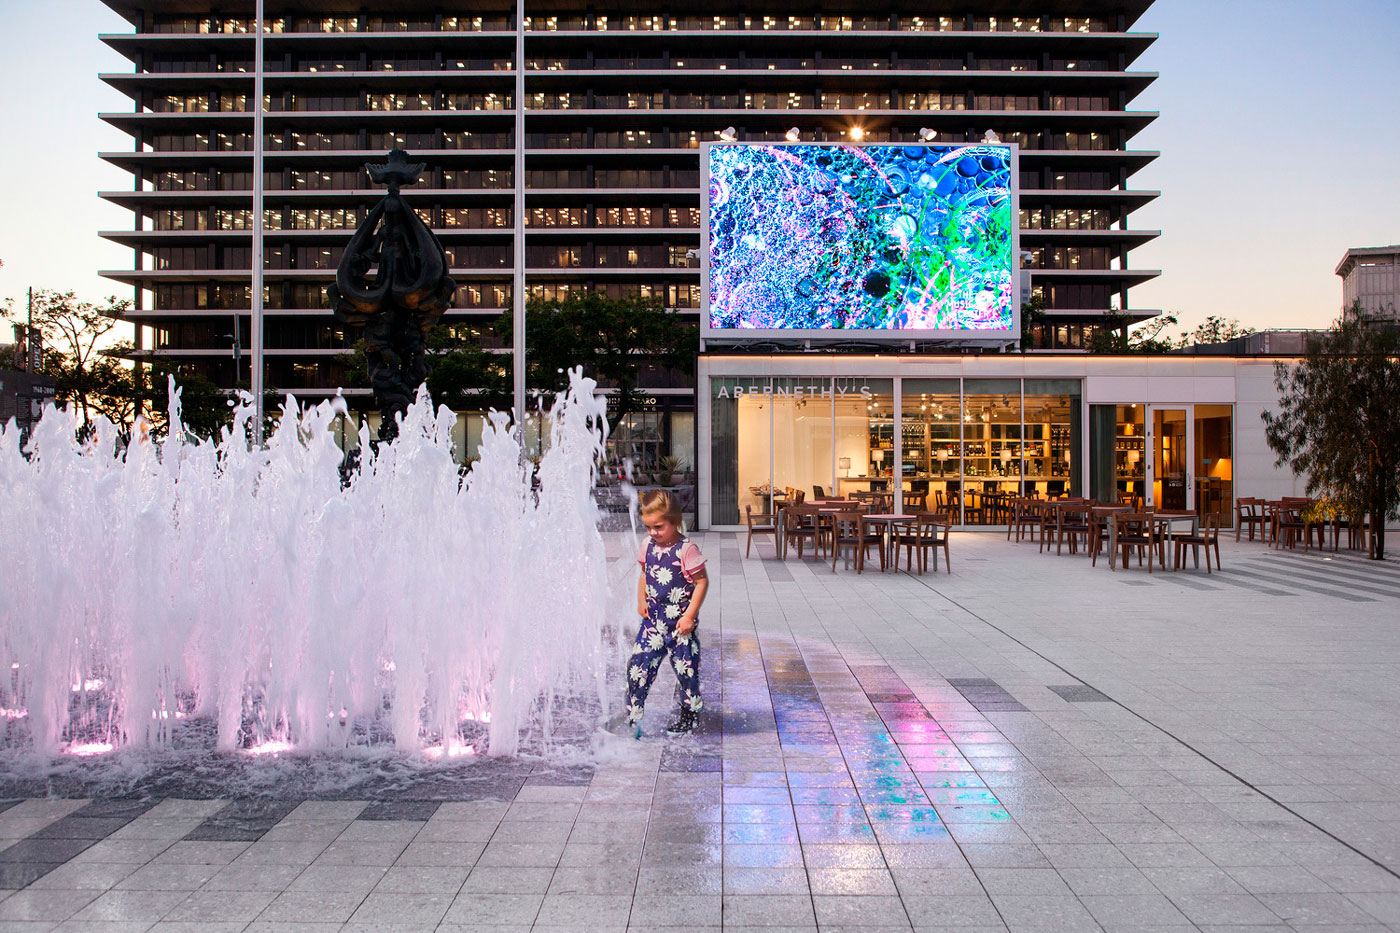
1249	515
761	524
1138	530
848	529
1025	518
1071	525
928	532
1288	523
1207	537
800	525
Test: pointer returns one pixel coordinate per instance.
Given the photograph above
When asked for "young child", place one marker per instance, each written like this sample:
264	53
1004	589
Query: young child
669	593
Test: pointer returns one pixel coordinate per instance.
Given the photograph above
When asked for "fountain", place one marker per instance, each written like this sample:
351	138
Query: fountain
254	591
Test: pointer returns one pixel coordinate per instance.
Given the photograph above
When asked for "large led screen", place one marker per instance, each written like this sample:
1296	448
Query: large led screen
879	238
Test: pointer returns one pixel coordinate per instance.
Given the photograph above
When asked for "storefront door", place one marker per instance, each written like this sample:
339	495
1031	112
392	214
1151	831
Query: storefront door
1172	443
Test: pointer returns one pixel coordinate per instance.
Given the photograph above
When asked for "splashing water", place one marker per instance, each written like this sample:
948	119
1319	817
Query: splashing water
252	589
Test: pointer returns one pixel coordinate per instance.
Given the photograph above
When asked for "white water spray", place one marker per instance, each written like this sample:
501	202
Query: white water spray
206	579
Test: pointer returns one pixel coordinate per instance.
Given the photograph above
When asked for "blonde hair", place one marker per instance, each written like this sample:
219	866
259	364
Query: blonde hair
660	501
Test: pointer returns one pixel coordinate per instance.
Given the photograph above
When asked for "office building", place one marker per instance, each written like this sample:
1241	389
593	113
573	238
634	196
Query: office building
617	102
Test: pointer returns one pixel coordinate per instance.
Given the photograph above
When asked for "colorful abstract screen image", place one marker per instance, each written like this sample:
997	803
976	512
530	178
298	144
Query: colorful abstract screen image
882	238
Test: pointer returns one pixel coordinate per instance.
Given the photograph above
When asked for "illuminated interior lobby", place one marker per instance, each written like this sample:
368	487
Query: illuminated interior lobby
942	431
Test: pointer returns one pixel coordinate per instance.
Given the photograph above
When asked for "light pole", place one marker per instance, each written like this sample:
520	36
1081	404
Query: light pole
255	377
517	292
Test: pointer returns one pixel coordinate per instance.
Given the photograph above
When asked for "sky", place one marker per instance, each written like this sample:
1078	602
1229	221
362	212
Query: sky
1278	135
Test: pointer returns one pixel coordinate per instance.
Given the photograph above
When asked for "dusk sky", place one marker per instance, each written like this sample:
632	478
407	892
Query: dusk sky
1278	132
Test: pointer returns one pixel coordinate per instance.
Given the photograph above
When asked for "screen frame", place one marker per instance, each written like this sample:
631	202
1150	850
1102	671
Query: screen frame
961	336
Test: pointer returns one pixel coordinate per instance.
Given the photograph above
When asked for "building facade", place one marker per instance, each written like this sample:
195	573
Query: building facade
1371	282
616	105
962	433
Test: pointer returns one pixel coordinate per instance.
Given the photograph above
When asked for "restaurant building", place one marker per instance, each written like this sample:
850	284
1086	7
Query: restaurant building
1171	431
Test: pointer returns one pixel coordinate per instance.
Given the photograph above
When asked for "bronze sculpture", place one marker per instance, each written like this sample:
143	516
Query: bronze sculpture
393	282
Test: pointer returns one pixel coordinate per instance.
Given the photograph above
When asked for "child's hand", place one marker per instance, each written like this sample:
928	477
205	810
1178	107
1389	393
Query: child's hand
686	625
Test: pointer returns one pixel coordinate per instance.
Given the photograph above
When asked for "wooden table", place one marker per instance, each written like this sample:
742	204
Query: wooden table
1167	517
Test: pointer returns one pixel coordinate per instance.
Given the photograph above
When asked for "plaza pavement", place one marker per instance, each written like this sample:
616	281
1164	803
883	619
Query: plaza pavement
1027	743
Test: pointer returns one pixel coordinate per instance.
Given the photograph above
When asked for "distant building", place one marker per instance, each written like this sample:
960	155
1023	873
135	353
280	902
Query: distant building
23	396
616	104
1371	278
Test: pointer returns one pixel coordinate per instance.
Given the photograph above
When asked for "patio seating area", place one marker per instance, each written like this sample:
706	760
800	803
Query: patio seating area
851	532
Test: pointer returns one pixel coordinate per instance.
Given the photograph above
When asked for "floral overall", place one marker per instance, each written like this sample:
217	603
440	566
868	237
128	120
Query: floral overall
668	595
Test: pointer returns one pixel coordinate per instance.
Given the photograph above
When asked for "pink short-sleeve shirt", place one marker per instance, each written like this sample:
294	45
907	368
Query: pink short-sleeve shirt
692	561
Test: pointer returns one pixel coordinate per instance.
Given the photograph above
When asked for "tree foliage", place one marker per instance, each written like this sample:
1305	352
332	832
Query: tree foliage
76	345
613	339
1339	421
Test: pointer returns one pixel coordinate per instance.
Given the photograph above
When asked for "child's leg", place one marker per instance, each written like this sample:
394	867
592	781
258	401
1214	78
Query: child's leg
685	658
642	667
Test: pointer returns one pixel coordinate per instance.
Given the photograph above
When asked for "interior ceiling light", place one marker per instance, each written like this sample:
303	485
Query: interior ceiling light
794	134
857	133
928	135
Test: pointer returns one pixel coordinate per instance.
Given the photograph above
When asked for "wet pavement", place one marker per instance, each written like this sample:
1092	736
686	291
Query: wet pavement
1027	743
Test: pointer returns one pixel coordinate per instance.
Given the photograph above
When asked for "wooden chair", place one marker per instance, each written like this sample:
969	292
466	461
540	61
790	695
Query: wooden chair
928	532
800	525
1098	535
1025	518
761	524
1046	517
818	492
1138	530
1357	531
1071	527
1288	523
1248	516
848	528
1207	537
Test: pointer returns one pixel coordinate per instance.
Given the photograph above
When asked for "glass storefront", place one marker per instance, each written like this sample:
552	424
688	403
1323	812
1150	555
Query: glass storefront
1214	470
1118	454
931	418
956	445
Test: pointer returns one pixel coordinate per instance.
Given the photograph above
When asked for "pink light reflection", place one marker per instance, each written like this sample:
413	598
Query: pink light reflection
435	752
88	749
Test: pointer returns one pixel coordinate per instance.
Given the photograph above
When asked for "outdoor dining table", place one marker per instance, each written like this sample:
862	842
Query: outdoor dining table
782	523
1107	512
1162	518
996	505
889	520
1169	517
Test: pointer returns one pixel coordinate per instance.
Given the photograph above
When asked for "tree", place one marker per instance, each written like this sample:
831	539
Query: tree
1032	316
76	337
1339	420
613	339
462	373
1113	335
1214	329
